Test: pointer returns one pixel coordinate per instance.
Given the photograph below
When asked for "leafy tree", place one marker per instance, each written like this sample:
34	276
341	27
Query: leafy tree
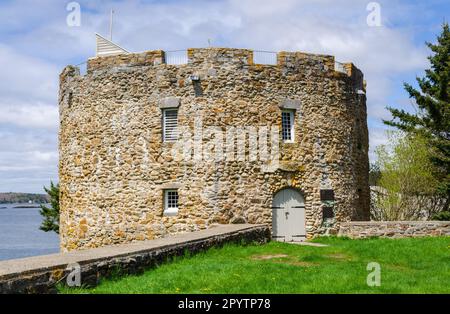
407	186
432	120
51	214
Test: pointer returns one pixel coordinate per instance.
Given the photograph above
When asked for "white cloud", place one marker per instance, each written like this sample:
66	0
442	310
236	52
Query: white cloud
36	44
377	136
30	116
263	8
26	78
28	149
27	161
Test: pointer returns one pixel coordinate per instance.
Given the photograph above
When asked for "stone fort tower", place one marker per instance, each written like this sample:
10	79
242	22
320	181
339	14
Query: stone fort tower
124	123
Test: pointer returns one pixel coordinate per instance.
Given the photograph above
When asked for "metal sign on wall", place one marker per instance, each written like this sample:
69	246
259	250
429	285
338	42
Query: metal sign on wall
327	195
327	212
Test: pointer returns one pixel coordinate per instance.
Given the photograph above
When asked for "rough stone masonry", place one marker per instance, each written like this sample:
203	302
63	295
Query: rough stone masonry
115	165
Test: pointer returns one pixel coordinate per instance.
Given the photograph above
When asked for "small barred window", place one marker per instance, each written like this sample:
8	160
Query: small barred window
170	202
287	125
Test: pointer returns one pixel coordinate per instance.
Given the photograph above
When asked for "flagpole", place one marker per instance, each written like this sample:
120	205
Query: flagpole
111	25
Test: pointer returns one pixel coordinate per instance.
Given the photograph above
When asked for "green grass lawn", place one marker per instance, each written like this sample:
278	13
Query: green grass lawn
420	265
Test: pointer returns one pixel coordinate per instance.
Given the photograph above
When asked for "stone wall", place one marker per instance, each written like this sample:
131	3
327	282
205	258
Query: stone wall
394	229
40	274
114	165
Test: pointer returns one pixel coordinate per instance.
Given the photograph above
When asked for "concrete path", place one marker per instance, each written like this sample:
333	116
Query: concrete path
20	265
39	273
309	244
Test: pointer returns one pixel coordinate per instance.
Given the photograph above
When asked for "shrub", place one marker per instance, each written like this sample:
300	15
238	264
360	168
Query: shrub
443	216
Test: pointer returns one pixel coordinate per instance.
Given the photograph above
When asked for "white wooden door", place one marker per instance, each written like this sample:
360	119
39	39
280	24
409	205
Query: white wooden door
288	216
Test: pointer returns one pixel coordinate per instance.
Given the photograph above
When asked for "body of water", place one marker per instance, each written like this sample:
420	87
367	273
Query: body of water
20	235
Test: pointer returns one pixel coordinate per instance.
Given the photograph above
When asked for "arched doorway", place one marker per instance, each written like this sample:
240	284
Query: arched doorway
288	216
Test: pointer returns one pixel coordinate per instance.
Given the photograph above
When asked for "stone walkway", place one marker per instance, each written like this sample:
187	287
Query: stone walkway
304	243
39	274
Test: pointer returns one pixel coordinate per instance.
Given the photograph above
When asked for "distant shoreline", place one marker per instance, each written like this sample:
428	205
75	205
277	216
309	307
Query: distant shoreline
21	205
27	206
23	198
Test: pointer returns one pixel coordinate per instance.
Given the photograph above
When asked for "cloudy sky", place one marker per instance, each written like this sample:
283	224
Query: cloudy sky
36	43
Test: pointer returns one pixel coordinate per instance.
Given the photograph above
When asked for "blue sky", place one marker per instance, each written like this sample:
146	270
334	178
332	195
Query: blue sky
36	44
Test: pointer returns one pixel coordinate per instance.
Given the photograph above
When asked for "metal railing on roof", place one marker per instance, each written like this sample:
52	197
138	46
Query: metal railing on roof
82	67
179	57
339	67
264	57
176	57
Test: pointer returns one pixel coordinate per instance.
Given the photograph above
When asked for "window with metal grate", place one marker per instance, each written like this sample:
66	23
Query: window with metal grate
287	125
170	125
170	202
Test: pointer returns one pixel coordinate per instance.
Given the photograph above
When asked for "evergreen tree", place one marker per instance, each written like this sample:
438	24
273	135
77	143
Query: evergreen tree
433	117
51	214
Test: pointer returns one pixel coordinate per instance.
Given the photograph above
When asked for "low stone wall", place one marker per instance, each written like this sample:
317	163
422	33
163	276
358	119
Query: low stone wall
40	274
394	229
